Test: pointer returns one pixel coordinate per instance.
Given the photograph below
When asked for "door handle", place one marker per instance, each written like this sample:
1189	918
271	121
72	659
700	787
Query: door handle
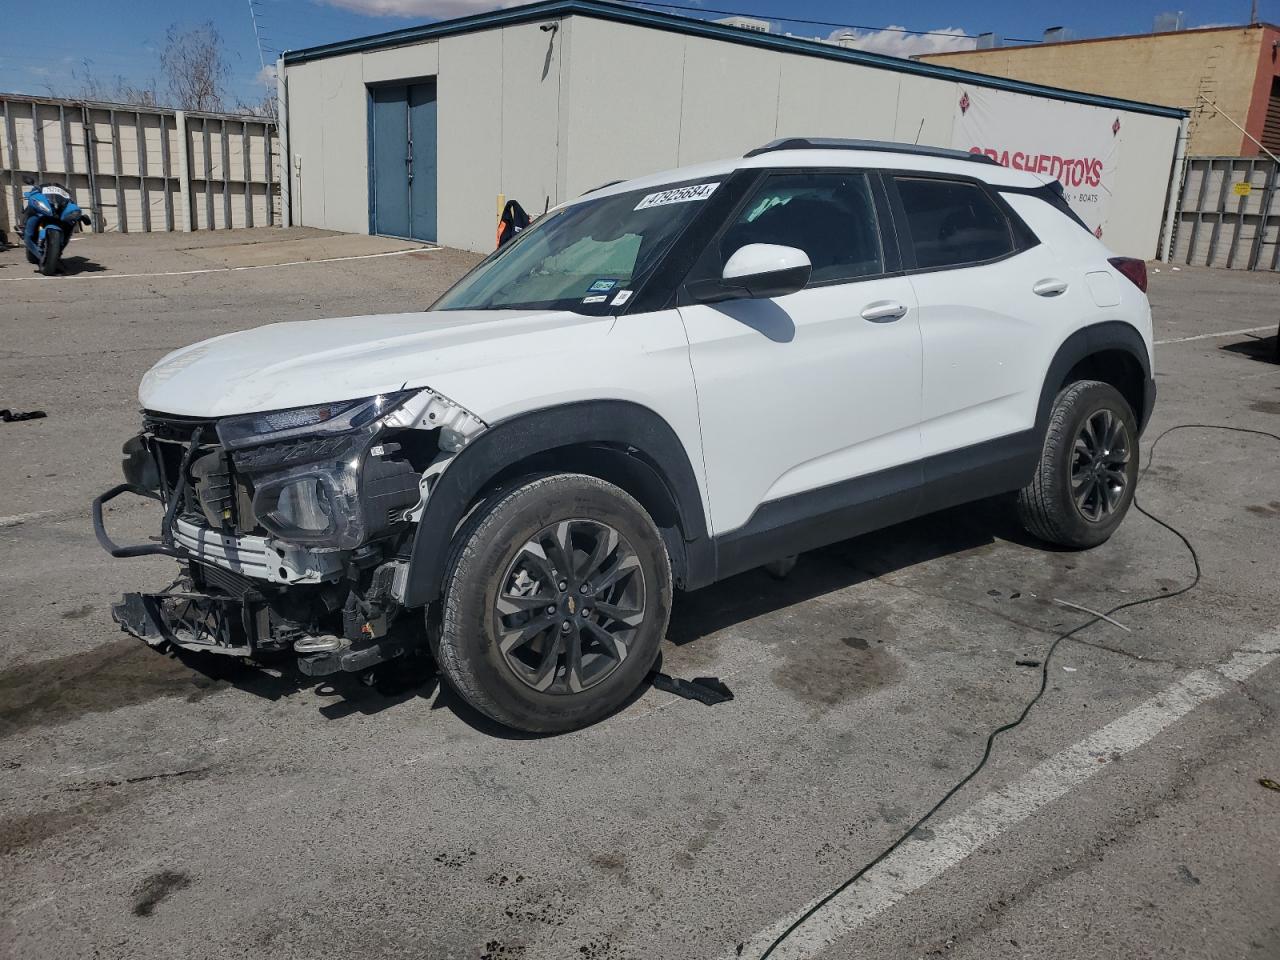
884	311
1049	288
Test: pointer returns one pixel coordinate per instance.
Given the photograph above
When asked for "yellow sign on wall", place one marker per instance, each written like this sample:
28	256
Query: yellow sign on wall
1242	189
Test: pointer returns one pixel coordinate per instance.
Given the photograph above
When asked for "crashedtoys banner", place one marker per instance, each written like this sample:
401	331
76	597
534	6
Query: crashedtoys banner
1077	145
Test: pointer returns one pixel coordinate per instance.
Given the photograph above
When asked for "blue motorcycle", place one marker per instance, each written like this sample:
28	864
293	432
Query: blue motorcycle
52	216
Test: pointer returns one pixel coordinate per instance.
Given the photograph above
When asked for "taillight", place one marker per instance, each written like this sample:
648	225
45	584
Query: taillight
1134	269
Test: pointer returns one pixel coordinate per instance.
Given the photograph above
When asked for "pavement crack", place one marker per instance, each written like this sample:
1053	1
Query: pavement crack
973	605
1139	657
127	781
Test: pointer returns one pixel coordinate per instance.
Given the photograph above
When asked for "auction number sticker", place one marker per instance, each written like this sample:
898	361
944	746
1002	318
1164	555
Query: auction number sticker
699	191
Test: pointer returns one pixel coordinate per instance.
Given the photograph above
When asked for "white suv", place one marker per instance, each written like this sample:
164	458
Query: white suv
661	384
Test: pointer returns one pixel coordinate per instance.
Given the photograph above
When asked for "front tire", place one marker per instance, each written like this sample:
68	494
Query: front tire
51	255
555	604
1088	469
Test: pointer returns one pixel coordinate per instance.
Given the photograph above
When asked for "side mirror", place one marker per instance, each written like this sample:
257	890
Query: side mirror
757	271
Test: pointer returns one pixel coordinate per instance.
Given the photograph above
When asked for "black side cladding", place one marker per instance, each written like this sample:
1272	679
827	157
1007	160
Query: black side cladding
636	431
1090	340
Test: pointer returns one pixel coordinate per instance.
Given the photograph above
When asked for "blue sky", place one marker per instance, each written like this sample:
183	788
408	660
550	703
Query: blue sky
123	37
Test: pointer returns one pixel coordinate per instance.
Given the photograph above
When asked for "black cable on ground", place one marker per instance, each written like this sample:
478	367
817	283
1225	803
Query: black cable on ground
1044	682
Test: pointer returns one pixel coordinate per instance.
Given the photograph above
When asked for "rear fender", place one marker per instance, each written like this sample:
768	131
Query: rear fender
1097	338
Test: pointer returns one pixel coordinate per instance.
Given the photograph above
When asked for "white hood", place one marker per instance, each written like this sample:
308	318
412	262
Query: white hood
313	361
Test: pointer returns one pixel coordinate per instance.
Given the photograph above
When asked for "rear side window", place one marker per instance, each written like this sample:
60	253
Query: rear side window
1051	193
830	216
953	223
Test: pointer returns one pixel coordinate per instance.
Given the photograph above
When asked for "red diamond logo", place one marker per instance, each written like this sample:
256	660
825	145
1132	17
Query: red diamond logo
964	103
1098	233
1115	127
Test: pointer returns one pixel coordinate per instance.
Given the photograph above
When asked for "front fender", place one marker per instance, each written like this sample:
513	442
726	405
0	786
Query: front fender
618	423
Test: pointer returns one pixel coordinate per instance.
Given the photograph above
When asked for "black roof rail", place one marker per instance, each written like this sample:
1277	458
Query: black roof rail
878	146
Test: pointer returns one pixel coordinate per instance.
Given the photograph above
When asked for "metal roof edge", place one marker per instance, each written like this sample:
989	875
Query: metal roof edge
1160	35
600	9
441	28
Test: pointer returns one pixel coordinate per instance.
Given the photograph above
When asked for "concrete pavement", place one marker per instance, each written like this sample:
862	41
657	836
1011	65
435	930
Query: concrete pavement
157	807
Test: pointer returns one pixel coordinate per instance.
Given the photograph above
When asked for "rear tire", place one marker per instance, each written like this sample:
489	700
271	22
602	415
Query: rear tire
1088	469
52	257
539	647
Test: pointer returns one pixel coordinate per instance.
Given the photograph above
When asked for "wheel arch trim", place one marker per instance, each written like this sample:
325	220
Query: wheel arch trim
629	427
1097	338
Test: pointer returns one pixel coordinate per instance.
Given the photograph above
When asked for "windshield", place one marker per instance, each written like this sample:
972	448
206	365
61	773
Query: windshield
586	257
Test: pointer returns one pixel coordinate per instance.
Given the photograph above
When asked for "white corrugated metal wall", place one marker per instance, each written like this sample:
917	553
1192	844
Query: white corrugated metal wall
139	169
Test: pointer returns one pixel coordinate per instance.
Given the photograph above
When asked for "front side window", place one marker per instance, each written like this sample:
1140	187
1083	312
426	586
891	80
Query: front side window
830	216
953	222
582	256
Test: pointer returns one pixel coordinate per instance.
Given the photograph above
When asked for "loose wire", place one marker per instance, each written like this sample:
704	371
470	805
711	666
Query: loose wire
1044	681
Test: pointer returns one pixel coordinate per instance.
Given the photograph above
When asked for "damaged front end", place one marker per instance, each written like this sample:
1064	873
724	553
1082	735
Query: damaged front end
292	528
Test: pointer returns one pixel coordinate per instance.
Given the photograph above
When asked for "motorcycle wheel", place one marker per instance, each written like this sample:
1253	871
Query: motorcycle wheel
52	253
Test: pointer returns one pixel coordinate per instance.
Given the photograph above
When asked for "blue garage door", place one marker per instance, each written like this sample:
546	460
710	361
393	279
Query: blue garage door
402	133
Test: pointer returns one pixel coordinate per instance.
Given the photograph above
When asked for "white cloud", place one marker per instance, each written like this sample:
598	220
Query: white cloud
892	41
266	76
896	43
421	8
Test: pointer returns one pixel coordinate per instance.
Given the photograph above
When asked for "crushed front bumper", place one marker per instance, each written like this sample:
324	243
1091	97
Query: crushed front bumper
252	596
242	628
263	558
188	620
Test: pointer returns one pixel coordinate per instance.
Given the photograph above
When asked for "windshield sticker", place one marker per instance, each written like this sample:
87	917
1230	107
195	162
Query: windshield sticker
622	297
602	286
597	299
699	191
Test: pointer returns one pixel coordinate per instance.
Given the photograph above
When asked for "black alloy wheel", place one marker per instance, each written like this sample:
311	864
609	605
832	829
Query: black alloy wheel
1100	455
570	603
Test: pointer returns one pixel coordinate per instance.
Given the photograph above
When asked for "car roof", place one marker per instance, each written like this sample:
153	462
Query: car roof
849	155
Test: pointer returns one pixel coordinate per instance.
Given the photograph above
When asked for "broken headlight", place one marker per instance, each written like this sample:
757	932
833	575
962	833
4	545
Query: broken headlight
321	475
305	466
303	505
317	504
322	418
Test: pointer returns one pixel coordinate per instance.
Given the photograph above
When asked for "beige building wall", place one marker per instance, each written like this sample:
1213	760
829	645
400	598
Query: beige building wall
497	120
1171	69
706	100
542	116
